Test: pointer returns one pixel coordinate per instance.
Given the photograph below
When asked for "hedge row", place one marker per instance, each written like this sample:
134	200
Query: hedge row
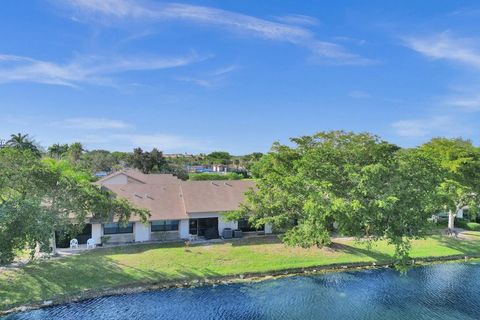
468	225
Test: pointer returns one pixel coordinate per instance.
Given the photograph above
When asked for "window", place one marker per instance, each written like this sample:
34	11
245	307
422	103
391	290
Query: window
245	226
116	228
193	226
164	225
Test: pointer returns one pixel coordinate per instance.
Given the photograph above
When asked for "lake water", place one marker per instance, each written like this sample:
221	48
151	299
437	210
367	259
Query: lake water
443	291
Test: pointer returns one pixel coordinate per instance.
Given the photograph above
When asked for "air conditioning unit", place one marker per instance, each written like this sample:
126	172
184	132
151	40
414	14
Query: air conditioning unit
237	233
227	233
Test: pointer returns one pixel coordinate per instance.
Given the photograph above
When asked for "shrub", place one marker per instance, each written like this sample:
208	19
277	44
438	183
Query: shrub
215	176
473	226
104	239
467	225
461	223
442	223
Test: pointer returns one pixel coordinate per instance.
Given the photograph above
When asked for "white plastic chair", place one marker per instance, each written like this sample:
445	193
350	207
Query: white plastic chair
90	244
74	243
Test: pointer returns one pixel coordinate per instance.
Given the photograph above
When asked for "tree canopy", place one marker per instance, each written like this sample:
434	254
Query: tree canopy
23	142
57	150
92	161
218	157
366	186
99	160
155	162
38	197
75	151
147	162
460	183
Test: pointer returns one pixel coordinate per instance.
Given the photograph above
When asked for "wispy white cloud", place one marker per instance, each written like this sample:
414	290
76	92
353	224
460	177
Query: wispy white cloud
460	50
445	46
160	141
225	70
210	79
464	12
358	42
207	83
89	69
467	103
417	128
331	53
100	133
228	20
128	141
91	123
298	19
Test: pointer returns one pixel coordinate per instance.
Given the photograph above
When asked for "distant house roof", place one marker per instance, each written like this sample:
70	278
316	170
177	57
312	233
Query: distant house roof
154	178
169	198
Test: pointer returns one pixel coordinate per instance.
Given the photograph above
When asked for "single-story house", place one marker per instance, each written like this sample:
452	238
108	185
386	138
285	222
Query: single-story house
178	208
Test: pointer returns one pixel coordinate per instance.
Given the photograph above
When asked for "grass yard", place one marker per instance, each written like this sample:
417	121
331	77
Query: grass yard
138	264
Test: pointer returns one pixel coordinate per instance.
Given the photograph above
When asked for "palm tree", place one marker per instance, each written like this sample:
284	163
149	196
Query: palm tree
19	141
23	142
57	150
75	150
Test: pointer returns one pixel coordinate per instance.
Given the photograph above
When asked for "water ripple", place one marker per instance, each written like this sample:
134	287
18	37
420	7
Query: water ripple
444	291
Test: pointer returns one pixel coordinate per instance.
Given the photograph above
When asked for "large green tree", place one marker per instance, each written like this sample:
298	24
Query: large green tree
98	160
218	157
155	162
148	162
57	150
23	142
75	151
460	184
367	187
38	197
249	160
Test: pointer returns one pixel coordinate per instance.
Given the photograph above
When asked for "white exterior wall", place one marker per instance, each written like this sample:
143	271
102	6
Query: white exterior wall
460	214
141	231
268	228
223	223
97	232
183	228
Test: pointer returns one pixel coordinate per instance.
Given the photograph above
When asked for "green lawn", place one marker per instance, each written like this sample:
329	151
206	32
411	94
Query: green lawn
120	266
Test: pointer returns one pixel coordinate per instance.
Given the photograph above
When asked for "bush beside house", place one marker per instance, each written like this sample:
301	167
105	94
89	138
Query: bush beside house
468	225
215	176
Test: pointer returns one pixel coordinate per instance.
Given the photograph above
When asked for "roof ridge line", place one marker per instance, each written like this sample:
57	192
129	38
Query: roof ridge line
183	199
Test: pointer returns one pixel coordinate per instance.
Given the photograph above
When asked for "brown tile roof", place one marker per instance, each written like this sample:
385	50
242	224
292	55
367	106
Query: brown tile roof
169	198
163	200
154	178
214	196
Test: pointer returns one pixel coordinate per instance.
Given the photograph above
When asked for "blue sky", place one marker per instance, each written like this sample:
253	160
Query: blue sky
198	76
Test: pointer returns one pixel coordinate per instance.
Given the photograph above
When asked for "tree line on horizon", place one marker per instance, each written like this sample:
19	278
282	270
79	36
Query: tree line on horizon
368	187
153	161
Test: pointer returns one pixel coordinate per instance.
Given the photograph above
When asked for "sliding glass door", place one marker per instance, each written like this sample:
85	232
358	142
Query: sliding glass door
204	227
